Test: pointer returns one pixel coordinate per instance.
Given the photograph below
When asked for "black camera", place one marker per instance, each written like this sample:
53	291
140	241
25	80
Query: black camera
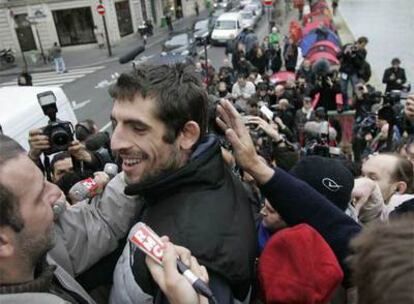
60	133
395	96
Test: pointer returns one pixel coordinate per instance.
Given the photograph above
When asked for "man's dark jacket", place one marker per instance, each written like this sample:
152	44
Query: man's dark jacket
204	208
392	84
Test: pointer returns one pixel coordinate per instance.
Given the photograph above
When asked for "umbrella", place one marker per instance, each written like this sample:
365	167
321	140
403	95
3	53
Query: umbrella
324	46
315	36
283	76
323	55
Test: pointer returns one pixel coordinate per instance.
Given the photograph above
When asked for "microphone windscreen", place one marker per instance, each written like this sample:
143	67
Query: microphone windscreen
97	141
131	55
79	192
111	169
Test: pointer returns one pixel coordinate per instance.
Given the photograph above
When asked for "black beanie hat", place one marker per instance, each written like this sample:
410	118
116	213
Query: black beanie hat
328	176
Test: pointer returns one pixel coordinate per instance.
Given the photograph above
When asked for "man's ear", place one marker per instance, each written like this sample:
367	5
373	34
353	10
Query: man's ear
401	187
189	135
6	244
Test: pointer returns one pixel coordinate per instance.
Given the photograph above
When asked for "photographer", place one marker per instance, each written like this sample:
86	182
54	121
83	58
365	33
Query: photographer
39	143
352	58
365	98
325	90
394	77
282	151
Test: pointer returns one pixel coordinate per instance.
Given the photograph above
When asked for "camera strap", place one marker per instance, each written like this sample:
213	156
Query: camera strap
47	167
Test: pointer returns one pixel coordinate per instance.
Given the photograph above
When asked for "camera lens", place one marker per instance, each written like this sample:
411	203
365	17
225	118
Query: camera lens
60	137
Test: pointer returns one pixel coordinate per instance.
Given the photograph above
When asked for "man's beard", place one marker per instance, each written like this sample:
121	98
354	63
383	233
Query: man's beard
33	247
172	164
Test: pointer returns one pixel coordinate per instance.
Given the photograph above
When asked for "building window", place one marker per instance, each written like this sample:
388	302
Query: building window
24	33
74	26
123	15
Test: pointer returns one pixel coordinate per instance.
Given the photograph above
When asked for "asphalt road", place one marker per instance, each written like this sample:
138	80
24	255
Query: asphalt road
90	92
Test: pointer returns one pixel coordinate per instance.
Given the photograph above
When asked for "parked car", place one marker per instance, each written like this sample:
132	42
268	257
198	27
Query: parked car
180	43
202	30
256	7
228	26
227	5
248	18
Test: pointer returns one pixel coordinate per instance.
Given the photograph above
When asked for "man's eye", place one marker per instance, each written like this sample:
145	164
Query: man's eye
139	129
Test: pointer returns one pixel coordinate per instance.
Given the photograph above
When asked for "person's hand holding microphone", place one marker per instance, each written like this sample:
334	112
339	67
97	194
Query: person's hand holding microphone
173	284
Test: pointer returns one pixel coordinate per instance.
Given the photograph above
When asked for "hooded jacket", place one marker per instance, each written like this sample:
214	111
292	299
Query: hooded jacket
204	208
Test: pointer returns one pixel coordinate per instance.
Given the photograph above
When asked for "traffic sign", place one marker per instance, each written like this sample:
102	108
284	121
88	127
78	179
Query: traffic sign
267	2
101	9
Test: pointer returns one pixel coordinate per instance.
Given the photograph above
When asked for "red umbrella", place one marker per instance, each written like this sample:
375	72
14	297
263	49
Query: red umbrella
281	77
323	55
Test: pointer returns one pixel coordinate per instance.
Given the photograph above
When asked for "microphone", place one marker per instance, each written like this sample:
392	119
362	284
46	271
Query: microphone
90	187
58	208
131	55
150	243
98	140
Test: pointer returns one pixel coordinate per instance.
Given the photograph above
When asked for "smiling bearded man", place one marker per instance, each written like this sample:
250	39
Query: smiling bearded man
160	134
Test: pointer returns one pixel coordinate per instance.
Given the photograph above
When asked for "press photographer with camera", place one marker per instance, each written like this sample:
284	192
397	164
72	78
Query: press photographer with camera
326	89
352	58
59	136
40	143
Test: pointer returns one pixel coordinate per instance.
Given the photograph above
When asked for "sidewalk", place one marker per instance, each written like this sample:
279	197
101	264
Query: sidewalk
76	57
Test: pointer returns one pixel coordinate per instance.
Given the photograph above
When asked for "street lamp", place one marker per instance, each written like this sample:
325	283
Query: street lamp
42	53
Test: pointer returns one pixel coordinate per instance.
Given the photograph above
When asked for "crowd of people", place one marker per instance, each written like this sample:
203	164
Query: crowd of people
247	180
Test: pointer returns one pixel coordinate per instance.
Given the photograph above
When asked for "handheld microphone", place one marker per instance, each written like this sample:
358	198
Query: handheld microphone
58	208
90	187
98	140
150	243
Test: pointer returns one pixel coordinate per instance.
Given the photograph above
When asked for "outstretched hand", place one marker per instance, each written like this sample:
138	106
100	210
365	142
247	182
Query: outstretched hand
230	121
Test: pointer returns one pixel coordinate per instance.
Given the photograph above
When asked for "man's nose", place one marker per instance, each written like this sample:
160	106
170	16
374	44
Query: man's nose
118	139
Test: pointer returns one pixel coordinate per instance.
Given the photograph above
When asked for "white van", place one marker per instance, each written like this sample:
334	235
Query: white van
20	111
227	25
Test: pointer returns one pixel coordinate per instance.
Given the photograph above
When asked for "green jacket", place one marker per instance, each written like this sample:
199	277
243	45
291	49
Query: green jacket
274	38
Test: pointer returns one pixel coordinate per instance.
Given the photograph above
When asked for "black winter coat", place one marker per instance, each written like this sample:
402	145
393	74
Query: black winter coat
391	82
203	207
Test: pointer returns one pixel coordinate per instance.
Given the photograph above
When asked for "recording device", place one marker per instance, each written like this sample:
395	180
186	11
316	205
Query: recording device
149	242
60	133
131	54
89	188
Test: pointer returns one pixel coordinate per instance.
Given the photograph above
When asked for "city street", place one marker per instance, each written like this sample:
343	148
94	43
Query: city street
87	88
